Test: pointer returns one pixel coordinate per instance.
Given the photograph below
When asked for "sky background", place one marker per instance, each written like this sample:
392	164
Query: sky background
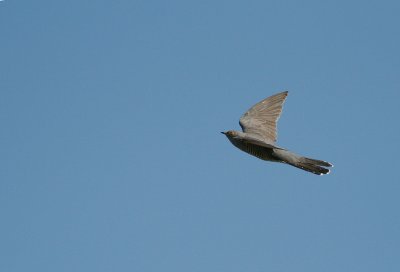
111	154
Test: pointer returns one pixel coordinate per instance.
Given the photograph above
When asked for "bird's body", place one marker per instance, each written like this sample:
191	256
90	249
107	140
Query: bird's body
253	146
259	136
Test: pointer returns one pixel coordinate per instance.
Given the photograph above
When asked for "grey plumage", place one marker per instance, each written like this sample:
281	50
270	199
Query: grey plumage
260	133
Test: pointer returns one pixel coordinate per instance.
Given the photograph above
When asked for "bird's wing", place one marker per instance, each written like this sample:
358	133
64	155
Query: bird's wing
261	119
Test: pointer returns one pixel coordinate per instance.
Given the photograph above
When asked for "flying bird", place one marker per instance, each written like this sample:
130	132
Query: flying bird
260	133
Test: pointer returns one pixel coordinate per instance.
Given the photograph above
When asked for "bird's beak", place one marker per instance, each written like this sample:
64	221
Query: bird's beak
223	132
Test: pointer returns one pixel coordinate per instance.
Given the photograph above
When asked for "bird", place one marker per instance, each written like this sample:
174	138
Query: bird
259	134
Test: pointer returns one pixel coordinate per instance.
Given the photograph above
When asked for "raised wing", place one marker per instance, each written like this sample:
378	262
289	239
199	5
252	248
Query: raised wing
261	119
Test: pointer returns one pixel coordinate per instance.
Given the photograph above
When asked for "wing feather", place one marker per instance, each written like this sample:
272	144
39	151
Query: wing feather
261	119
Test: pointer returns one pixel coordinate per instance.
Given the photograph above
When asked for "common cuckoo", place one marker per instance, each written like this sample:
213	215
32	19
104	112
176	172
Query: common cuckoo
259	136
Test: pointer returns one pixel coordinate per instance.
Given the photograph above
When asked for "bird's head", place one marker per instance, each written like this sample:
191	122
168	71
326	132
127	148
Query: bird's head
230	133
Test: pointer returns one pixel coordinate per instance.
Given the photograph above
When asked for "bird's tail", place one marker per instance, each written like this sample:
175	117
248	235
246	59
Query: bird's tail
314	166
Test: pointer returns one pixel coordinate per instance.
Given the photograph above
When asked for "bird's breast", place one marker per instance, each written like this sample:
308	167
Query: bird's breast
261	152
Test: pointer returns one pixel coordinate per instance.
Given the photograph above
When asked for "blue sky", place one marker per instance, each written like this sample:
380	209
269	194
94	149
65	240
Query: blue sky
111	157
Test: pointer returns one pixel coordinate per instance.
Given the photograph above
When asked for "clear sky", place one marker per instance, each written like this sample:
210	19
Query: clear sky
111	154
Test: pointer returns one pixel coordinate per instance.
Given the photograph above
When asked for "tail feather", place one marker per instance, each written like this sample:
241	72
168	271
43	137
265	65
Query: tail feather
317	162
311	165
313	168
